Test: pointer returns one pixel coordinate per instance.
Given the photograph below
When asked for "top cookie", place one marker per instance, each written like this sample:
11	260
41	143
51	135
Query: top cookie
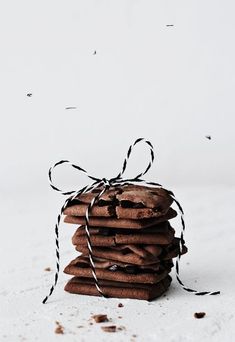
129	201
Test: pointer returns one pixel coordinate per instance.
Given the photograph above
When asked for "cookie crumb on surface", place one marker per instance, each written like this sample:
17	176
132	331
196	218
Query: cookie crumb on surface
110	328
100	318
120	305
48	269
59	329
199	314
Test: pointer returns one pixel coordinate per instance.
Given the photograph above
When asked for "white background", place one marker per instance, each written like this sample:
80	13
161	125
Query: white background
172	85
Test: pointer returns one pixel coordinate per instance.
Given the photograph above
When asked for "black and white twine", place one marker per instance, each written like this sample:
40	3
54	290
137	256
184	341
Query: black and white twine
103	185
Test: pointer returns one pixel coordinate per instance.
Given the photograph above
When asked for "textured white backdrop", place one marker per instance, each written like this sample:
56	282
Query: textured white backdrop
172	85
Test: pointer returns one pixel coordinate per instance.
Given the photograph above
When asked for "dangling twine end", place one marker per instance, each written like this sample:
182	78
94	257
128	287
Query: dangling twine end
215	293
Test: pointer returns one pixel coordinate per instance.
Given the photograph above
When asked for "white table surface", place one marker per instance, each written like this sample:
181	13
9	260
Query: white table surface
27	248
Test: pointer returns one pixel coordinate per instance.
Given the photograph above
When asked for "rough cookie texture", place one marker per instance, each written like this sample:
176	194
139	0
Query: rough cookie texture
136	254
112	239
95	221
148	292
129	202
117	271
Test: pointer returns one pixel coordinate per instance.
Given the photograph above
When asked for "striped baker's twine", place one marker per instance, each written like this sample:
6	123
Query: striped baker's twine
103	185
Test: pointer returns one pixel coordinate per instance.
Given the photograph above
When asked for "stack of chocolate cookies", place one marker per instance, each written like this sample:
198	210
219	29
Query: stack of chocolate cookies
133	243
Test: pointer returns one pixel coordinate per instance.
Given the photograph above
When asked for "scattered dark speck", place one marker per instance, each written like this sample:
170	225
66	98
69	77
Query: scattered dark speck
199	314
169	25
47	269
29	94
94	53
208	137
70	107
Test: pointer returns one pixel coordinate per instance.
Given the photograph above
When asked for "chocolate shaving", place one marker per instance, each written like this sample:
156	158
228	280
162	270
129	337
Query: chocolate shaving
199	314
110	328
59	329
48	269
100	318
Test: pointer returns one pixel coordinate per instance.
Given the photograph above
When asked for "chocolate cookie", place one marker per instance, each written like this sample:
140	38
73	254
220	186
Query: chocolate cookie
113	238
128	202
113	211
121	223
132	254
117	271
86	286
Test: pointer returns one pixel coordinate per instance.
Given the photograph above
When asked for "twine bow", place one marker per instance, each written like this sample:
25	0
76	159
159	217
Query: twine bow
103	185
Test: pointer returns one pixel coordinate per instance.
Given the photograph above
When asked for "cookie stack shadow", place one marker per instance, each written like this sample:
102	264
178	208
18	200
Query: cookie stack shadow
133	243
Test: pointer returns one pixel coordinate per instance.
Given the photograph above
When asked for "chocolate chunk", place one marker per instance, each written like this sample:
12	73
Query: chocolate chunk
131	269
47	269
110	328
106	232
59	329
120	305
199	314
129	204
100	318
82	264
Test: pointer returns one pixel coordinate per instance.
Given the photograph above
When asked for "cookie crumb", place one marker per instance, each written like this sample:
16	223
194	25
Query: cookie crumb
120	305
100	318
199	314
59	329
110	328
47	269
